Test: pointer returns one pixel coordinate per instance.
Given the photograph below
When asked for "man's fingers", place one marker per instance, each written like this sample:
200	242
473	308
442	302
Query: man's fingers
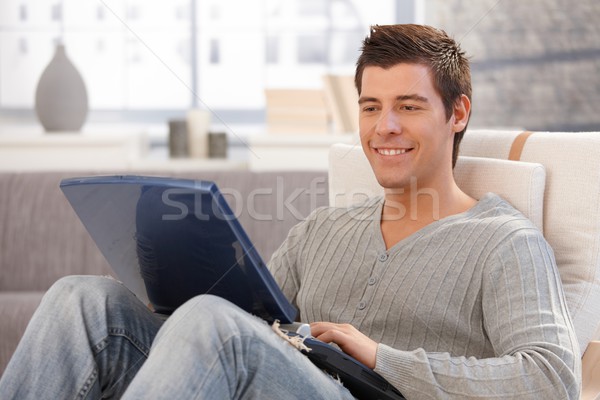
330	336
318	328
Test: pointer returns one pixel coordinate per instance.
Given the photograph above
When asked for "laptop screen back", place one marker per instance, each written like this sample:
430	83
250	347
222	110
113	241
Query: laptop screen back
169	240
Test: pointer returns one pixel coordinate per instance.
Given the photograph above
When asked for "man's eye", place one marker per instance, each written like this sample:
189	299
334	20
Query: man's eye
409	108
369	108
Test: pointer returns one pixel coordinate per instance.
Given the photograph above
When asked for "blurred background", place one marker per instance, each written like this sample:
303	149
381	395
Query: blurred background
223	89
535	63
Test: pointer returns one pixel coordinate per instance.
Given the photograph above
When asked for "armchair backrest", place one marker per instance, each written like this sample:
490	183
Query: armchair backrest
553	179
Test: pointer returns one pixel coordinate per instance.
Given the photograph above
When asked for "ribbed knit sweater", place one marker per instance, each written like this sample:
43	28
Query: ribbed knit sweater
470	306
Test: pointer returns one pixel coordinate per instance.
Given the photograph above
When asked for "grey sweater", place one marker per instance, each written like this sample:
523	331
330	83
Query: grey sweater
470	306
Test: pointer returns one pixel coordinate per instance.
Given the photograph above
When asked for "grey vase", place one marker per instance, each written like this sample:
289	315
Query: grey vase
61	101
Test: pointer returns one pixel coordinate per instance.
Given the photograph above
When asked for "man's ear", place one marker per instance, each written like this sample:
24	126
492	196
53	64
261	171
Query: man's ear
462	110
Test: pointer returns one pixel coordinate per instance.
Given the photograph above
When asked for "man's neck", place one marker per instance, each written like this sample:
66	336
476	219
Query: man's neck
407	211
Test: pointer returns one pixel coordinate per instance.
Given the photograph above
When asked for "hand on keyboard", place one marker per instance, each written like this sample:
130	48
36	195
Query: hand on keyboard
349	339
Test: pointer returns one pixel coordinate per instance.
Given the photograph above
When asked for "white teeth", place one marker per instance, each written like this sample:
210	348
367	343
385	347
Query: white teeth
391	152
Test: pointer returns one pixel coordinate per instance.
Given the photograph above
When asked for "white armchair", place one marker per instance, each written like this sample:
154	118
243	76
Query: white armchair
552	178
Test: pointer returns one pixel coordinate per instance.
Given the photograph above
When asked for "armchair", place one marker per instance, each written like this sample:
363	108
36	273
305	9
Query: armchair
553	179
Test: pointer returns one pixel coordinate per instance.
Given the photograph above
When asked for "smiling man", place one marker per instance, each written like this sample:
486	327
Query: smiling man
444	295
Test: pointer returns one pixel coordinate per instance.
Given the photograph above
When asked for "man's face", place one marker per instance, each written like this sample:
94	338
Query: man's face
403	127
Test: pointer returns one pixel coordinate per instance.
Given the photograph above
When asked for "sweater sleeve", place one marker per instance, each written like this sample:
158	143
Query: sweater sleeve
526	321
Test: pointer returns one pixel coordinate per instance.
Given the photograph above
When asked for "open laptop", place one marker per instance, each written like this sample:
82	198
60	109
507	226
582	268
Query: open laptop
169	240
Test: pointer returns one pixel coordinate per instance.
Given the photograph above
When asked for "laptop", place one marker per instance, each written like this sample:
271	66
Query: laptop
169	240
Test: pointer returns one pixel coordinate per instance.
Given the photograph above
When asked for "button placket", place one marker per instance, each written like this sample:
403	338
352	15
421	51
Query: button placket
381	258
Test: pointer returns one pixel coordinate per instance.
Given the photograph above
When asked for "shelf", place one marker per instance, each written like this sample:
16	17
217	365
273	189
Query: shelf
126	151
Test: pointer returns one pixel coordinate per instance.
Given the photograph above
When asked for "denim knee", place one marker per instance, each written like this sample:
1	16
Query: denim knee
78	289
206	307
78	285
210	313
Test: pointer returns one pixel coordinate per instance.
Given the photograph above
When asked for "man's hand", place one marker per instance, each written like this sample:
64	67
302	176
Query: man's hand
349	339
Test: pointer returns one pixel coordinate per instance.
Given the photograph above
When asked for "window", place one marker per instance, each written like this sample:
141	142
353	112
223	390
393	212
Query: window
138	54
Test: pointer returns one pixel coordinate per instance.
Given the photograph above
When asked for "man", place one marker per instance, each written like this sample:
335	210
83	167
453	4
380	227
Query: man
443	295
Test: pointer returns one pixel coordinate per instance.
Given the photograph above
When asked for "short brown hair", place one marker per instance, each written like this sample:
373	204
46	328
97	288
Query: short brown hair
389	45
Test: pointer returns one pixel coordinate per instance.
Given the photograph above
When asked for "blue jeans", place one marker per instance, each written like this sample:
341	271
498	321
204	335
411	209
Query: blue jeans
91	338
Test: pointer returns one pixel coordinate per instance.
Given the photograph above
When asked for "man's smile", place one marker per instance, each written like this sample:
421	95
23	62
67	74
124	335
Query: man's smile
388	151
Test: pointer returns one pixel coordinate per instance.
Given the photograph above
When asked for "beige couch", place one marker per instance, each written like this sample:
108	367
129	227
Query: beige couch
41	238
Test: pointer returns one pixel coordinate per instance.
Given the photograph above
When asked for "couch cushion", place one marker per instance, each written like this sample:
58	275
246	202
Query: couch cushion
571	210
351	179
16	309
41	238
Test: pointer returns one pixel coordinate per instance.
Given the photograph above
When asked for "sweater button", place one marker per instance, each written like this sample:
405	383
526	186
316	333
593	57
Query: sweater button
372	280
383	257
362	305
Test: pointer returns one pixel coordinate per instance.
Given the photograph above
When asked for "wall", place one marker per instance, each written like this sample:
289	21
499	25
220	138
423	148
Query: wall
535	63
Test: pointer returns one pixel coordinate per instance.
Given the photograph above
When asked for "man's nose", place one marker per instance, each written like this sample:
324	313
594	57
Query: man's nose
388	123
